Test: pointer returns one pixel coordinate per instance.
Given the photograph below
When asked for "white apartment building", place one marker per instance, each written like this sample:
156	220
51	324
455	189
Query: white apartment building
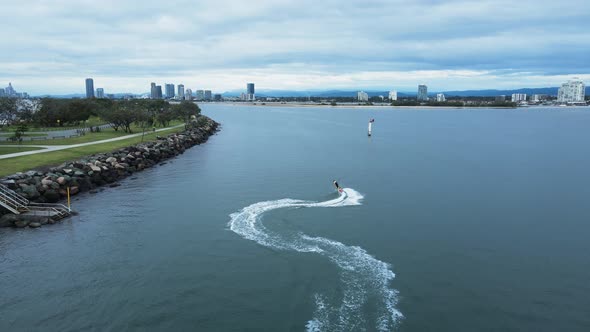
518	97
440	97
392	95
571	92
362	96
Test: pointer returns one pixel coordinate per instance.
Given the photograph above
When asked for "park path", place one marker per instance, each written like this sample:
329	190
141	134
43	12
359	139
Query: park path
50	148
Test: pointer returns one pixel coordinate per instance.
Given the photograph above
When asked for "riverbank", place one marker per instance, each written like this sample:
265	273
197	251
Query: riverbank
49	184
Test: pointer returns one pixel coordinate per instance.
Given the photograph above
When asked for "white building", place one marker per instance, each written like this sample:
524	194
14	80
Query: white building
181	91
518	97
99	93
573	91
392	95
188	94
440	97
362	96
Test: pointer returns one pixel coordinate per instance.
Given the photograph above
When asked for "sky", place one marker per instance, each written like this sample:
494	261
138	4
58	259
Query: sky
51	46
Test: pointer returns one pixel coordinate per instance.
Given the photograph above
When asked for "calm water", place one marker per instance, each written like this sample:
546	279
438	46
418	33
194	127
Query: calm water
482	215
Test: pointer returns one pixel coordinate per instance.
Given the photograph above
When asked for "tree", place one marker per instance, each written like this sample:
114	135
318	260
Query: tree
19	132
7	110
186	109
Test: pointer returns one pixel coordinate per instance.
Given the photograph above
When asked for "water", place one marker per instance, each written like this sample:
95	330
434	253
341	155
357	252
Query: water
452	220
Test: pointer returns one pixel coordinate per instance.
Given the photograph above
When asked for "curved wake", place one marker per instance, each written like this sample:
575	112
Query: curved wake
364	277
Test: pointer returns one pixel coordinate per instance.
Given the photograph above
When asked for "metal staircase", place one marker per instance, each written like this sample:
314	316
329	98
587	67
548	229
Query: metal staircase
17	204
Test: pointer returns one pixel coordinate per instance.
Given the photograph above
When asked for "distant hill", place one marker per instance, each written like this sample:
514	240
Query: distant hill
552	91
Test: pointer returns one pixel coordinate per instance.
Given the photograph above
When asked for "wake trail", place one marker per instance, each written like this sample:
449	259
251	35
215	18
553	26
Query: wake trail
364	277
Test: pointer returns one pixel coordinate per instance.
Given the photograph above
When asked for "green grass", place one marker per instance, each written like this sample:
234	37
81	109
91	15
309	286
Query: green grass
89	137
7	150
92	121
25	163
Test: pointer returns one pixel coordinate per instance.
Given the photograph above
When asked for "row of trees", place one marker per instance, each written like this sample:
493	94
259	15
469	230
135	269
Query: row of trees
51	112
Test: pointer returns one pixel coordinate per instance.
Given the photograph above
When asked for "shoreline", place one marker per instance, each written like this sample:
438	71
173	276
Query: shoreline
48	184
356	105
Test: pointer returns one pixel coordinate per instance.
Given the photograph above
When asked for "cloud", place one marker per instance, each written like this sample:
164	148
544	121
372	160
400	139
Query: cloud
53	45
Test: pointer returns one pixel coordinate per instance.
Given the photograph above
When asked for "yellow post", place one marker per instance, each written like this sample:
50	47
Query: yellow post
68	190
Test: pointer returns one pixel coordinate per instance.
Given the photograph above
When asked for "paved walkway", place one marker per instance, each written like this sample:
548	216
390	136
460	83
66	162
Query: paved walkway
50	148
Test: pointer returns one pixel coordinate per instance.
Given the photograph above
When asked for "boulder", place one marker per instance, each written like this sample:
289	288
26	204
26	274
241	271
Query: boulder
74	190
61	180
51	196
8	220
35	224
111	160
95	168
30	192
21	223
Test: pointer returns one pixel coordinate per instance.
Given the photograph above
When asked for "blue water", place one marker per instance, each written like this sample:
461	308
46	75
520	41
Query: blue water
452	220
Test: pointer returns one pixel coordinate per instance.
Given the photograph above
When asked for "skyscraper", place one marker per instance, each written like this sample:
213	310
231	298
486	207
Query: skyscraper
250	94
207	94
158	92
518	97
181	91
440	97
188	95
169	91
153	91
99	93
200	94
572	92
422	92
89	88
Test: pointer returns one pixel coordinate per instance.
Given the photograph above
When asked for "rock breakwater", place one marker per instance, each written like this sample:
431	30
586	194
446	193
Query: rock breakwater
103	169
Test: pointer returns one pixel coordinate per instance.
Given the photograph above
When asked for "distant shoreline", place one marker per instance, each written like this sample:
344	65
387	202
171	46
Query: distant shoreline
351	105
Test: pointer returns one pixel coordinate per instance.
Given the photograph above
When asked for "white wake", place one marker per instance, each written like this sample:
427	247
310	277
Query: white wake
362	275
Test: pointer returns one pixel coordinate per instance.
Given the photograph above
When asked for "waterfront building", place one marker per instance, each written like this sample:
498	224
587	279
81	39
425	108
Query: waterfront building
207	94
574	91
99	93
200	95
392	95
217	97
2	93
169	91
189	94
89	88
500	98
243	96
250	92
440	97
518	97
422	92
362	96
181	91
158	92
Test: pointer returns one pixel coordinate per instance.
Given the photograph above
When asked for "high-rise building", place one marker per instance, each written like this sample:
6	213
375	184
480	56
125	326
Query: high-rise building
573	91
518	97
362	96
440	97
181	91
207	94
217	97
89	88
250	94
99	93
422	92
2	93
200	95
10	92
158	92
188	94
153	91
169	91
392	95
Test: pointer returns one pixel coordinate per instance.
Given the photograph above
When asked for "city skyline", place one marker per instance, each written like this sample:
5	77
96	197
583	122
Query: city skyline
289	46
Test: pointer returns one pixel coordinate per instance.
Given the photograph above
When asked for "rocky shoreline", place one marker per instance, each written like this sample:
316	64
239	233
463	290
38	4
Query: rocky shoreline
103	169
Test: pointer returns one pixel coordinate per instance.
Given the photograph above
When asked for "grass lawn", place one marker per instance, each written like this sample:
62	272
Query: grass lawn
7	150
89	137
92	121
25	163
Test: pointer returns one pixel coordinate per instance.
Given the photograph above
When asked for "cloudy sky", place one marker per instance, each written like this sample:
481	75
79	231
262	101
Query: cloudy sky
51	46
